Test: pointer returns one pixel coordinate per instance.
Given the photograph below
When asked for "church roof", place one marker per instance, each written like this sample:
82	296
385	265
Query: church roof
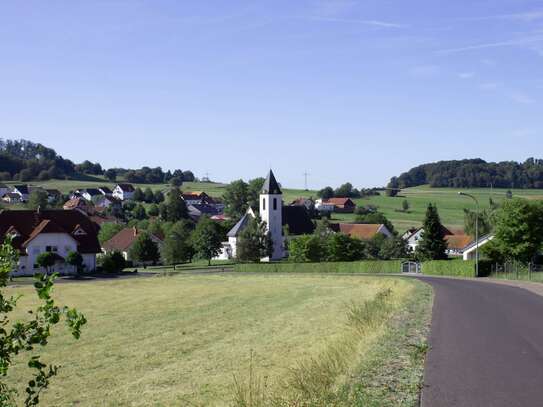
270	185
238	227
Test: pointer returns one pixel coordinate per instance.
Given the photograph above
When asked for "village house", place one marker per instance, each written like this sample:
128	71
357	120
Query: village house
324	207
362	231
412	236
57	231
341	205
90	193
457	243
197	198
80	204
106	191
122	242
21	190
4	189
124	192
12	198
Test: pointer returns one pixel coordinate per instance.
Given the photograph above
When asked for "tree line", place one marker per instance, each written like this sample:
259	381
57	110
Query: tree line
473	173
24	161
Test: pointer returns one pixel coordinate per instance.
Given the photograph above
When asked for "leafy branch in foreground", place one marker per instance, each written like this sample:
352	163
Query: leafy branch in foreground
24	336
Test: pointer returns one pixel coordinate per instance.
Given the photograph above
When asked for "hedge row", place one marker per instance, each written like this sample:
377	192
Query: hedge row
370	267
453	268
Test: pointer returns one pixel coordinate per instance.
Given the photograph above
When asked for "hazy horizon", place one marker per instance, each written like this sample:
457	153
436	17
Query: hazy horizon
345	90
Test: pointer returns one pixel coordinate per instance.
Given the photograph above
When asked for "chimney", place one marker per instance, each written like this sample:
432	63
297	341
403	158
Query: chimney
135	231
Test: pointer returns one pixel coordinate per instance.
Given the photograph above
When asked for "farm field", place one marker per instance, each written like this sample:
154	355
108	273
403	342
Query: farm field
449	203
207	340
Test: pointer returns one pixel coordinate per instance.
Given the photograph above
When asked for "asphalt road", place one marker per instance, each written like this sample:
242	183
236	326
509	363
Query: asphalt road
486	346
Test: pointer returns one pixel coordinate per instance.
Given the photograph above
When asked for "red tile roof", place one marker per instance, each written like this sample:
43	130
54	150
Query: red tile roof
123	240
363	231
458	242
340	201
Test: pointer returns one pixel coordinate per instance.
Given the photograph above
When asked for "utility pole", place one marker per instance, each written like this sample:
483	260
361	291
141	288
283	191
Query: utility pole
305	174
476	231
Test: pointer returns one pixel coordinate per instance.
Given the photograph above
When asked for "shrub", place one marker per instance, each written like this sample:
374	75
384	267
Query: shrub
113	262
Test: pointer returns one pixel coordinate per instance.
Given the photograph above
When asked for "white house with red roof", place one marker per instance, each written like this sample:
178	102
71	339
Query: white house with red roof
57	231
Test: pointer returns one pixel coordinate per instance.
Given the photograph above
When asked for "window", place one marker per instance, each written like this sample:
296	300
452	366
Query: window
274	204
263	204
53	249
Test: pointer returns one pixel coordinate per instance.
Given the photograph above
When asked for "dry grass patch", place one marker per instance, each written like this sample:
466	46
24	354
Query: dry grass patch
181	340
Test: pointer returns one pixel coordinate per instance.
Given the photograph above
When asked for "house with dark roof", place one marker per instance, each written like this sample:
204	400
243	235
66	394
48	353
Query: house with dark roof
22	190
80	204
122	242
413	236
57	231
12	198
4	189
124	192
89	193
106	191
362	231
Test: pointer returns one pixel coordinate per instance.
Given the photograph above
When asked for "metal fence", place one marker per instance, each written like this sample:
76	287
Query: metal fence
517	271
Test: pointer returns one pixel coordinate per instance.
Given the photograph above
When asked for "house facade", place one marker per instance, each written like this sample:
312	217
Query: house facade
122	242
57	231
124	192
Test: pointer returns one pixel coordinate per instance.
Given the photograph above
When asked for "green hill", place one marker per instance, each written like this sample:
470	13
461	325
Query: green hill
449	203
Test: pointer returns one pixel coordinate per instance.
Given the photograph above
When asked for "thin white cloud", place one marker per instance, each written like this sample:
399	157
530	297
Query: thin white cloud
424	70
489	86
374	23
521	98
466	75
527	16
509	43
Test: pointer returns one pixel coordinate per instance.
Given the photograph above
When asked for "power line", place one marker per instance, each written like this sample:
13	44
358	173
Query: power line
305	174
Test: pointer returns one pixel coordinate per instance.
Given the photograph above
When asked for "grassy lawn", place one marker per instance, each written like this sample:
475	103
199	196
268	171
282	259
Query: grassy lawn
212	340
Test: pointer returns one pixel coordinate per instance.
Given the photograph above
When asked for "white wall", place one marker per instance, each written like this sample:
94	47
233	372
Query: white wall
273	216
63	243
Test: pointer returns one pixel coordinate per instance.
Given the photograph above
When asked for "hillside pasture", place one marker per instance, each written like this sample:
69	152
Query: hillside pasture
209	340
449	203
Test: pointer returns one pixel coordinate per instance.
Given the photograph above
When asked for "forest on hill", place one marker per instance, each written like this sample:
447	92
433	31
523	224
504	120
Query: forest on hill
473	173
23	160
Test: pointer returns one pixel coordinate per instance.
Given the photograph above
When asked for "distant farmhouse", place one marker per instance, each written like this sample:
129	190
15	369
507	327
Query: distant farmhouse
57	231
361	231
339	205
122	242
277	217
123	192
458	243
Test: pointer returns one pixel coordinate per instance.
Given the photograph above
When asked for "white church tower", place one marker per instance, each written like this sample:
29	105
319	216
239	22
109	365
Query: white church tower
271	212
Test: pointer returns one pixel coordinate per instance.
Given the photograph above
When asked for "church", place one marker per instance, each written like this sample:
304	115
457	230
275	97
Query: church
281	221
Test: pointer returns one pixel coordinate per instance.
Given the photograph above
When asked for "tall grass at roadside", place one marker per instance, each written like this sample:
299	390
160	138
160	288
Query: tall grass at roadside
312	381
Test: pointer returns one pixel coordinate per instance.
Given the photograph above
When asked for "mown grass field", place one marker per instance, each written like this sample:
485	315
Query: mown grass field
449	203
215	340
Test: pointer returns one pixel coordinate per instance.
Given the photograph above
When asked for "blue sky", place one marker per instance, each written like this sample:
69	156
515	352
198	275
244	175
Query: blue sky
348	90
